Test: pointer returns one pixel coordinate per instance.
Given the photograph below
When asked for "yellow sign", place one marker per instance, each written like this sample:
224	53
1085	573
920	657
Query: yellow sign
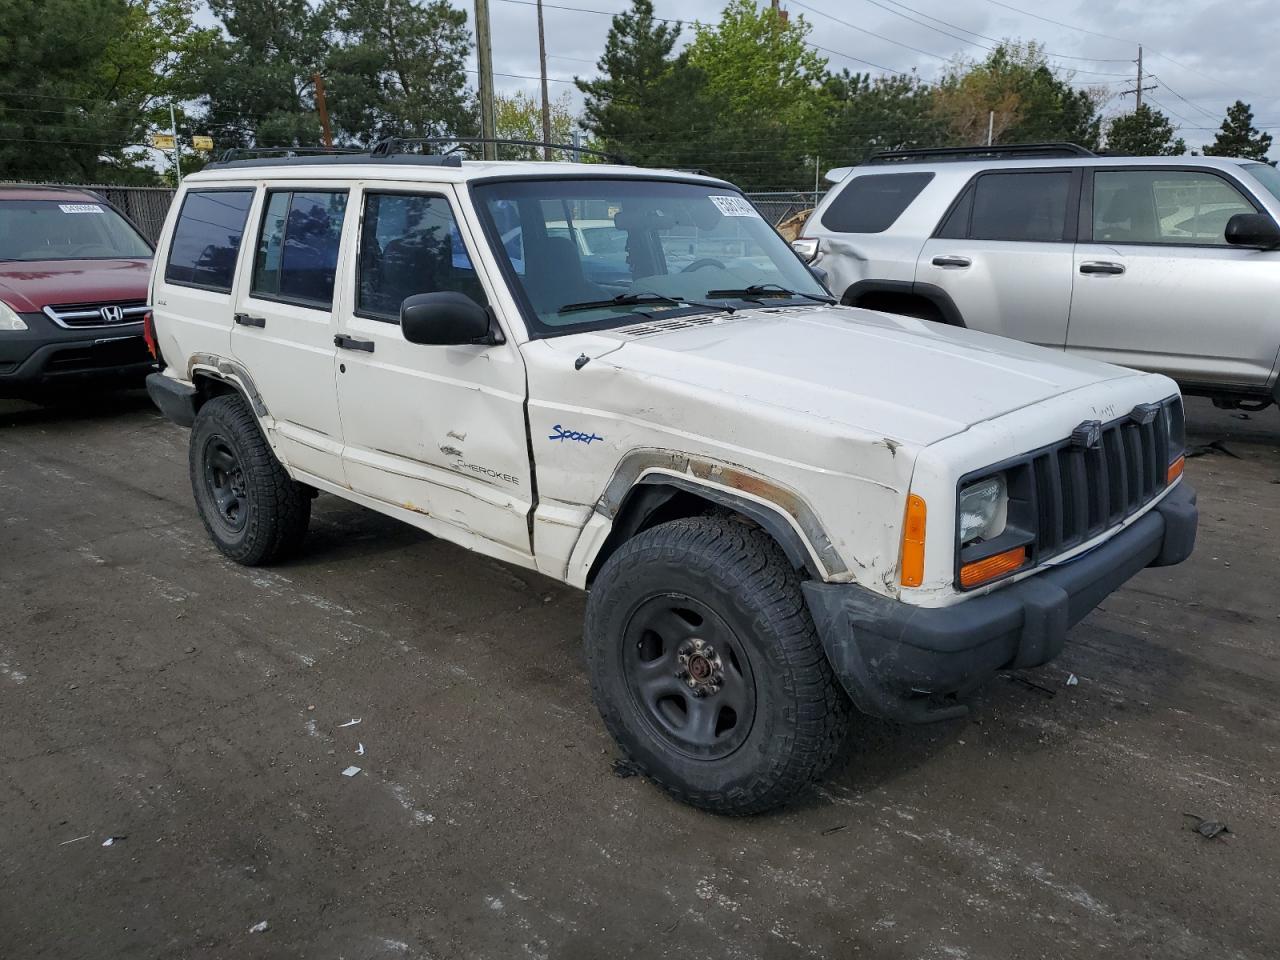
202	143
162	141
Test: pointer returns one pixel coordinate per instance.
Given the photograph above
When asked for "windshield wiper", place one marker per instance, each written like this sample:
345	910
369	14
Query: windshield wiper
758	290
640	299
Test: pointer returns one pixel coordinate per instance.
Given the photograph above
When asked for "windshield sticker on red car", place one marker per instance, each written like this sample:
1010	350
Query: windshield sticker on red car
734	206
79	208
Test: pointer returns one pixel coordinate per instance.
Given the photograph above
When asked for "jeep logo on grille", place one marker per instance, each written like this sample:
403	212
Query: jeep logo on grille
112	314
1087	436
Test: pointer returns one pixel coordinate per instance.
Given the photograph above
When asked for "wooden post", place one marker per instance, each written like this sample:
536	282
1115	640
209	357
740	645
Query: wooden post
322	107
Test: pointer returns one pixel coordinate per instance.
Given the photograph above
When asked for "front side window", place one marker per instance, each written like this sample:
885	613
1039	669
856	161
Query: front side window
206	238
1163	207
66	230
573	246
871	203
298	247
1020	206
410	244
1265	174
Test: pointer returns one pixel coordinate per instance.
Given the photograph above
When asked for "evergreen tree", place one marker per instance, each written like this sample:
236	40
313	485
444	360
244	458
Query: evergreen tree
1239	137
1144	133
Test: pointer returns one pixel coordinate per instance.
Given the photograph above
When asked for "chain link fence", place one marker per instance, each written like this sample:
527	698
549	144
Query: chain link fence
147	206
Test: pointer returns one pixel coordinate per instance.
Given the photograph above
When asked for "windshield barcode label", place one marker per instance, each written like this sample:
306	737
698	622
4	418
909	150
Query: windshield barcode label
79	208
734	206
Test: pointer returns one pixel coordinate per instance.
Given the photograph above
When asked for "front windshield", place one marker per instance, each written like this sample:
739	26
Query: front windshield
63	230
574	242
1267	175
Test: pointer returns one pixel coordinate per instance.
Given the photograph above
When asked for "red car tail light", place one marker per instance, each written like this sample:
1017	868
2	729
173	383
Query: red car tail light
149	334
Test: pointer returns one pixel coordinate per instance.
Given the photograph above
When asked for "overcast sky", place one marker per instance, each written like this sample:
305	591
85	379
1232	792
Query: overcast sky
1202	54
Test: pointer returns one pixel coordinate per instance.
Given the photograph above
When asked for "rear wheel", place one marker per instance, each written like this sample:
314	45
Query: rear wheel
254	511
707	669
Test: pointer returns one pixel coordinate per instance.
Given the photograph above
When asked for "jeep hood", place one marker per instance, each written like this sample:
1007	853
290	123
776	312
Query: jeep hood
909	380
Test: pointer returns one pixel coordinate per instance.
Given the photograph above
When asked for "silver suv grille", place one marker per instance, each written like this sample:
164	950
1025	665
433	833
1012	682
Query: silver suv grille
80	315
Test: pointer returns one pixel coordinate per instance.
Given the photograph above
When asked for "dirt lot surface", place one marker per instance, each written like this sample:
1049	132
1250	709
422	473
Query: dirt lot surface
153	692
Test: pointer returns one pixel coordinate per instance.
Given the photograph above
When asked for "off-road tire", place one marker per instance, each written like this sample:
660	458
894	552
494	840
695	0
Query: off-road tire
275	508
735	569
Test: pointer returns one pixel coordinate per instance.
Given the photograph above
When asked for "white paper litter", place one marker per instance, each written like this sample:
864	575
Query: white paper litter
109	841
259	927
359	749
350	723
1073	680
350	771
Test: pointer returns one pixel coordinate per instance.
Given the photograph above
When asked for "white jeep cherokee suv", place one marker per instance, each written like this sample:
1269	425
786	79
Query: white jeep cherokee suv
777	504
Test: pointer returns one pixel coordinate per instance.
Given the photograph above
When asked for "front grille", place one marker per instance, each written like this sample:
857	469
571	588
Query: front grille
82	315
1078	493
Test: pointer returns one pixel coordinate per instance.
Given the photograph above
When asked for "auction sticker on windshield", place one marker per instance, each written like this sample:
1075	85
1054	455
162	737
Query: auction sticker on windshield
79	208
734	206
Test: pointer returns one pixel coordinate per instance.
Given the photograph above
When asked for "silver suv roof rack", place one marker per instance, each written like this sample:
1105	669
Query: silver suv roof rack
1002	151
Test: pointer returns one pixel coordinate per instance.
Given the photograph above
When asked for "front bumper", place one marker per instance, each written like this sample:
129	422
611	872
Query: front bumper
46	357
896	660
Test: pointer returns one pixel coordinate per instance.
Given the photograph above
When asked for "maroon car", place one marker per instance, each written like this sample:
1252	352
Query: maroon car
73	292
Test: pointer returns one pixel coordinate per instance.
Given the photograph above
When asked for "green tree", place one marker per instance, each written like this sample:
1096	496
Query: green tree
763	96
1020	94
254	84
1239	137
82	83
882	113
644	103
398	68
1144	133
519	117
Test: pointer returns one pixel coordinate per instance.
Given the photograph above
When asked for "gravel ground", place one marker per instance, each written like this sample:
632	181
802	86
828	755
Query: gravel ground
198	712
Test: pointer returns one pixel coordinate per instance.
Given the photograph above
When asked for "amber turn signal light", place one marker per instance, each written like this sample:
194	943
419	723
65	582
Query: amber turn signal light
981	571
913	542
1175	470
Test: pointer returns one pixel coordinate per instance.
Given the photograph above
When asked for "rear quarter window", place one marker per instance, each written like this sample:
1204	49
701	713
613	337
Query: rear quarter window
872	203
206	238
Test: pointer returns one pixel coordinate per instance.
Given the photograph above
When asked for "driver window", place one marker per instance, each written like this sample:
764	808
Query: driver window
410	244
1163	207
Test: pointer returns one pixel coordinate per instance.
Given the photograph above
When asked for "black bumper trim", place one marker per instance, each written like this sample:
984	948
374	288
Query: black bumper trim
176	400
895	659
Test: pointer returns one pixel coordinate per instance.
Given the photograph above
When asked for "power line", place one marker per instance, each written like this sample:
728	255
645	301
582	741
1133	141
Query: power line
1059	23
1184	99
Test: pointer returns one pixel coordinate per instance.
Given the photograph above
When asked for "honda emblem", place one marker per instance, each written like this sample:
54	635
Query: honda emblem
112	314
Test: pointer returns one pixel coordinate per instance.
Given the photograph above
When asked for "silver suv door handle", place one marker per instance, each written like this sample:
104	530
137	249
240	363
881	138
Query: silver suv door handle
951	261
1101	266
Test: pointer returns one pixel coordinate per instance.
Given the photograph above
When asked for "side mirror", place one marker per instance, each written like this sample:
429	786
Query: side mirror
446	318
1253	230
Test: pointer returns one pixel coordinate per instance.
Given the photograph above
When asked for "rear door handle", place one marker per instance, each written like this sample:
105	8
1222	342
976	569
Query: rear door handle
951	261
351	343
245	320
1101	266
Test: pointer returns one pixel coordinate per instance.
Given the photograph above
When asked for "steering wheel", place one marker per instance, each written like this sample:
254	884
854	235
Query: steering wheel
703	262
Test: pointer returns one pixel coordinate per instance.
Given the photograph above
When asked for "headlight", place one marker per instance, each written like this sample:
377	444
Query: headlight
983	508
1175	425
10	320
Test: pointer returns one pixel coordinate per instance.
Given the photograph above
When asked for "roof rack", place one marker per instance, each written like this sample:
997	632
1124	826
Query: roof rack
996	152
390	146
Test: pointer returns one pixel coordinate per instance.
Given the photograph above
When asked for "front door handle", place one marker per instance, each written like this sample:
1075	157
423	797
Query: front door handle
351	343
245	320
951	261
1101	266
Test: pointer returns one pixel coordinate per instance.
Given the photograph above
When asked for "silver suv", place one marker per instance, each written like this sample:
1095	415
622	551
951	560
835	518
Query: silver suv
1166	264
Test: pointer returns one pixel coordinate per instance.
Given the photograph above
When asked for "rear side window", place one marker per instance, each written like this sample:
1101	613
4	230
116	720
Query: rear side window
206	239
298	247
1020	206
871	204
410	244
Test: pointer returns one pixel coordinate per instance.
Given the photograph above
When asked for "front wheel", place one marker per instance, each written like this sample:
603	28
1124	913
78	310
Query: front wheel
254	511
707	669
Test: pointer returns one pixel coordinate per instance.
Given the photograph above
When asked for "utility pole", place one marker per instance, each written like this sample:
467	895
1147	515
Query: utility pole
991	126
177	149
322	107
1139	90
546	101
484	62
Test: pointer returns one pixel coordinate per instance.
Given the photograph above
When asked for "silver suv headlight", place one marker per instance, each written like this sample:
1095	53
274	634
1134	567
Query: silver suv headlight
9	320
983	509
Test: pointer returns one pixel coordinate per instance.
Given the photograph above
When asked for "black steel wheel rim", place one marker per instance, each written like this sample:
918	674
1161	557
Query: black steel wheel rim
224	481
689	676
